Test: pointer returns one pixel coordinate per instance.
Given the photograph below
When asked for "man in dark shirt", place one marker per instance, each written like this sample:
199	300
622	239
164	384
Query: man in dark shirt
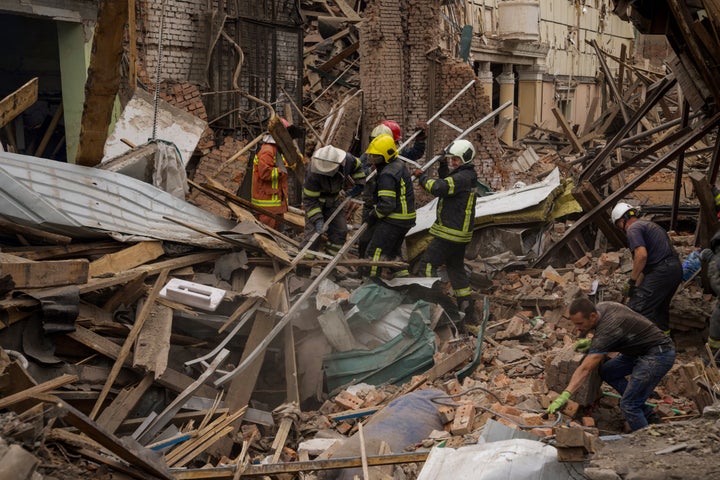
655	258
646	354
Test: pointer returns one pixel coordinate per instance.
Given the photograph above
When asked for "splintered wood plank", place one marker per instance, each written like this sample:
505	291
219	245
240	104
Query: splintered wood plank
153	342
126	259
171	379
48	273
41	388
132	336
133	454
348	11
241	387
114	414
16	103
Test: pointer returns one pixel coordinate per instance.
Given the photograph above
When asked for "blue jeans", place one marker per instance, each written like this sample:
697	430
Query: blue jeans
645	373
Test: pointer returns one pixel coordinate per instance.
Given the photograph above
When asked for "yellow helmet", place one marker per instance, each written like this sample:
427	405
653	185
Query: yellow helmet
383	145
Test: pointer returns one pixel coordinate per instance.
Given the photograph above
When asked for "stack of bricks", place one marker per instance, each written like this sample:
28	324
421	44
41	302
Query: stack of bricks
559	370
230	176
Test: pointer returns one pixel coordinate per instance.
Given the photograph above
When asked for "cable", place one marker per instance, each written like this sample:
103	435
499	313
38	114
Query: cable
157	73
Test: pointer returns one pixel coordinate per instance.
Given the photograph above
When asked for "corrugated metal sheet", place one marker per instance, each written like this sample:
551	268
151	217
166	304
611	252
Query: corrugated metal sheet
89	203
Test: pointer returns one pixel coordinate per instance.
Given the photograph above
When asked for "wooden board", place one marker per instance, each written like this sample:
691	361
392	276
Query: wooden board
153	343
48	273
16	103
126	259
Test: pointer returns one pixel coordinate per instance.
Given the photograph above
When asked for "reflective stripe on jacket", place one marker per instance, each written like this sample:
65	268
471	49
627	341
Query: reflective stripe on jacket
456	205
322	190
269	183
394	196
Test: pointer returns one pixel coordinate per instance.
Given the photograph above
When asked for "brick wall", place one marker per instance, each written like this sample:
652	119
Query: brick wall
407	77
231	175
183	35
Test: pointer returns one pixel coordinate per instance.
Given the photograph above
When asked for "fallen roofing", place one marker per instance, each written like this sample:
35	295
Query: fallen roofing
90	203
496	203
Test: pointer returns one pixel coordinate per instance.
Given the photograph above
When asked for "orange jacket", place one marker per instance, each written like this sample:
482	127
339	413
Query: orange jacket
269	183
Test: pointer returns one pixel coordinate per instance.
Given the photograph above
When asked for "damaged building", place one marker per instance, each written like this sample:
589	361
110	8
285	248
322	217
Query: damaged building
152	327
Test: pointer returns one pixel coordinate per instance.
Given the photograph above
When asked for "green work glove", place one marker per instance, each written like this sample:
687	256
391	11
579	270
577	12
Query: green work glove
628	289
582	345
559	402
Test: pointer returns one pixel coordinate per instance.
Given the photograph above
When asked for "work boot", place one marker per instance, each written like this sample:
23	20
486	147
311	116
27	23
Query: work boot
467	306
653	419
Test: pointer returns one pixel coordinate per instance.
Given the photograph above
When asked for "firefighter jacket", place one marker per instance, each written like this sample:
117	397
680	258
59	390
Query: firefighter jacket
456	204
324	191
269	181
394	198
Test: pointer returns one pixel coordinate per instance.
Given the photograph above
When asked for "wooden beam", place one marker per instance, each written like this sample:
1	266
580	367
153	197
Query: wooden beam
295	467
34	233
44	274
128	258
103	81
153	342
708	218
16	103
569	134
133	454
330	64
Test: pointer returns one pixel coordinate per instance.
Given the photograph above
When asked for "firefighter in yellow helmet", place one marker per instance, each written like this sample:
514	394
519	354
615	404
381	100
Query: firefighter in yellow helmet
391	212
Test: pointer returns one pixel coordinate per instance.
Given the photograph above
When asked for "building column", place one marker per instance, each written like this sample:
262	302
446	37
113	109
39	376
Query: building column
529	98
507	92
485	77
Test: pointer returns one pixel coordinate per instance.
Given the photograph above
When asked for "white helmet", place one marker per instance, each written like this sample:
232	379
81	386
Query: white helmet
379	130
462	149
621	209
326	160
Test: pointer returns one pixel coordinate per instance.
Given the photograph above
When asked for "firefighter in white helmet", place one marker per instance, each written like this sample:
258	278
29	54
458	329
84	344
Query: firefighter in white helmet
657	271
332	172
453	227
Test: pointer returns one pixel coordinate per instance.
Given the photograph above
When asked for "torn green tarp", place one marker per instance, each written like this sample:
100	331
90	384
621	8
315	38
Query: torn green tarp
396	361
372	302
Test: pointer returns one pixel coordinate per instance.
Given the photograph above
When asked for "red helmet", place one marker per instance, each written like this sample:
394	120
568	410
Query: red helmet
394	128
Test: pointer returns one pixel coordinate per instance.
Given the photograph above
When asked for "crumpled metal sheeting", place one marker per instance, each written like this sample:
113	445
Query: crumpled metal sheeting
86	202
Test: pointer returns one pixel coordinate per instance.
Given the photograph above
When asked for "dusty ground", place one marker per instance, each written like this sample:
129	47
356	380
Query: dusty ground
641	455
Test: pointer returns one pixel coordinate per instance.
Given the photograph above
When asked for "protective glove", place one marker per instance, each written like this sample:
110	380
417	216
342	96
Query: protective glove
417	172
319	224
582	345
628	289
559	402
371	217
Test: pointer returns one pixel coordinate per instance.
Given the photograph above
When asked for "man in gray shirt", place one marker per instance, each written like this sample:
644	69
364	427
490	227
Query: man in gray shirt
646	354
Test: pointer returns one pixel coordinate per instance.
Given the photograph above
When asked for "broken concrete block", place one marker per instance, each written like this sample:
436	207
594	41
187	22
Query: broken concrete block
582	262
18	463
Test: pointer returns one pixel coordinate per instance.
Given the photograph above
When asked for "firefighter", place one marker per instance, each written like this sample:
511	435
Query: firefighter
655	259
411	152
392	212
332	171
453	227
270	180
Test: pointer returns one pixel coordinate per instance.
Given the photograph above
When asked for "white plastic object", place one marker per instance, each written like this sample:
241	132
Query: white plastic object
193	294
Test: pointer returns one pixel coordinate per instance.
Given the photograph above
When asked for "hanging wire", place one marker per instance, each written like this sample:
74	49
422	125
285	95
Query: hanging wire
156	99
